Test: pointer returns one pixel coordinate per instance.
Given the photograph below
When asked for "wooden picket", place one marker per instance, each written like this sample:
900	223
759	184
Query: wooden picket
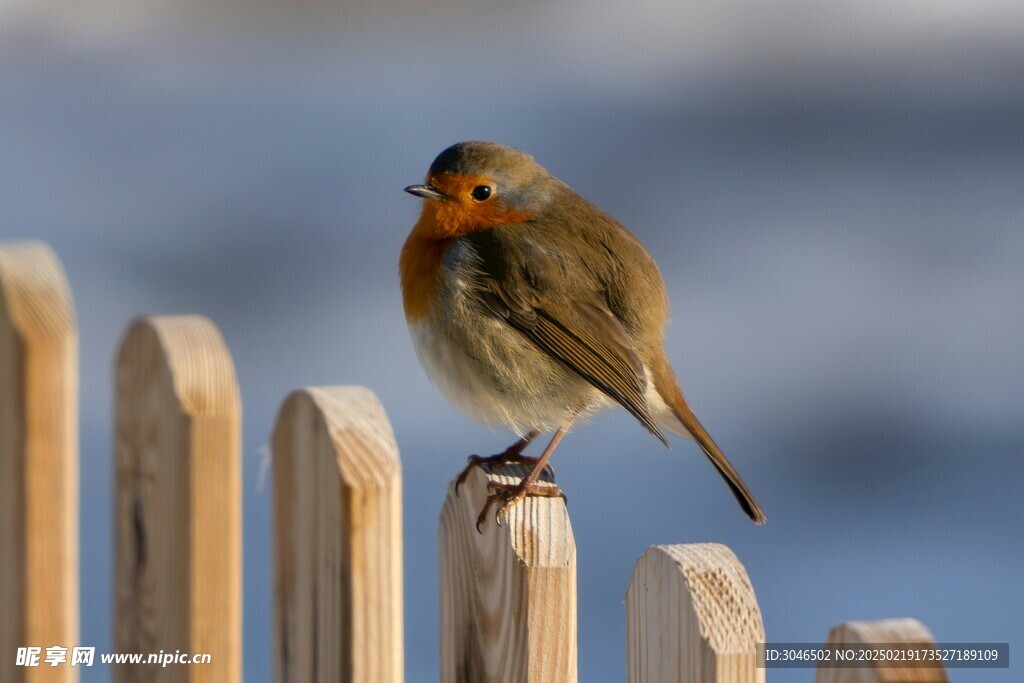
178	487
38	459
888	632
337	539
508	593
691	616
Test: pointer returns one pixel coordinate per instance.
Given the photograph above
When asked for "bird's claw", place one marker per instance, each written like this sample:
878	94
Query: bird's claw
511	456
510	494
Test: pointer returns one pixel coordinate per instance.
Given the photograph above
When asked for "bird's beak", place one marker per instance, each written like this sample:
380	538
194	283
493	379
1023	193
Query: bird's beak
425	191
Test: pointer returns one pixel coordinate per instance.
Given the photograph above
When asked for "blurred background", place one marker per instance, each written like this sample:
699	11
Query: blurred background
834	192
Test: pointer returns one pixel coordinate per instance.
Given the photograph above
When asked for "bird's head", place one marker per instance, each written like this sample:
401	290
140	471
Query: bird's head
474	186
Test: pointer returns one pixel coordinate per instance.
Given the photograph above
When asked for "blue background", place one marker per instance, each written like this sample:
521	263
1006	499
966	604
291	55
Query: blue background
833	193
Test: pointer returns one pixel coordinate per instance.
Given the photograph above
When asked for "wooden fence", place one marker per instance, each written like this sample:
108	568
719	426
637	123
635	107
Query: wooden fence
508	596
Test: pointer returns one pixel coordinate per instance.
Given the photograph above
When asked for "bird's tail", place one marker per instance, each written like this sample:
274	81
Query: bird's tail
681	416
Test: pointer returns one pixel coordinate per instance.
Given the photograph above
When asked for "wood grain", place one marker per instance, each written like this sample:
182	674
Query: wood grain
508	595
38	460
337	540
692	616
884	631
179	534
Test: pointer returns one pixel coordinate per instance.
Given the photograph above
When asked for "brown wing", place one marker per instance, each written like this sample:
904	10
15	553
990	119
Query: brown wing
584	335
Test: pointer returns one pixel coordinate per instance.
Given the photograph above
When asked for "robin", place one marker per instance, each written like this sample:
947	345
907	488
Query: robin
532	308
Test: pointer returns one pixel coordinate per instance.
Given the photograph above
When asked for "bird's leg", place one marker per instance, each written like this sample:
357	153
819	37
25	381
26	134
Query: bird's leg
510	494
512	454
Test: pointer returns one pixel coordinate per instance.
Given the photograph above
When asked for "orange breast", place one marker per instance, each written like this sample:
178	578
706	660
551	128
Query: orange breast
441	223
420	266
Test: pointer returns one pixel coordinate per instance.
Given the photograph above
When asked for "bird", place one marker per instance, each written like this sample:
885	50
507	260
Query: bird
531	308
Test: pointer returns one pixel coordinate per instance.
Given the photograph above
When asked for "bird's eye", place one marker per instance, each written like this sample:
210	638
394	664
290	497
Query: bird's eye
482	192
